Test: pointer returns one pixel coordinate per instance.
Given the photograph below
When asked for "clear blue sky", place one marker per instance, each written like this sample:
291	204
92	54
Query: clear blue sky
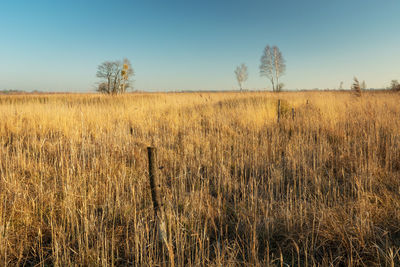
195	45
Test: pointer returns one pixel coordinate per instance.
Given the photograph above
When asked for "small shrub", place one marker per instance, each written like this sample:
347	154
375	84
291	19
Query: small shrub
395	86
356	88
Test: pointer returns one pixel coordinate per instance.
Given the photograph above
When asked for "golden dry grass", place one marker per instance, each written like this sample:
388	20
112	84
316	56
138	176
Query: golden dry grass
239	188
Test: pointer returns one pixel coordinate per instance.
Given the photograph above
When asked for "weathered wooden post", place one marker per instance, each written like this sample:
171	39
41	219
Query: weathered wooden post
293	114
279	110
157	204
154	183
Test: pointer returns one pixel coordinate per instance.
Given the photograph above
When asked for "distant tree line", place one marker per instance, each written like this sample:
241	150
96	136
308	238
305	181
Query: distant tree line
116	76
358	87
273	67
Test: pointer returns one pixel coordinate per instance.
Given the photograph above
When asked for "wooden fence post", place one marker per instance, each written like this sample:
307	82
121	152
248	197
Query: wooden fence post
157	204
279	110
293	113
154	183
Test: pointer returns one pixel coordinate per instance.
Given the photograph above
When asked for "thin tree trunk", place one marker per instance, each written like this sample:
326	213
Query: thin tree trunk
108	85
277	84
273	85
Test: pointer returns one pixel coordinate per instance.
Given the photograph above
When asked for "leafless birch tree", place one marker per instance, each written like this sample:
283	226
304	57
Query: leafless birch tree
241	75
279	66
273	66
266	66
341	86
363	85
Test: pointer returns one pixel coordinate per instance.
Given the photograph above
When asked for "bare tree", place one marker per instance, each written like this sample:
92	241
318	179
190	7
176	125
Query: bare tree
266	66
363	85
241	75
116	76
395	85
279	65
273	66
341	86
106	70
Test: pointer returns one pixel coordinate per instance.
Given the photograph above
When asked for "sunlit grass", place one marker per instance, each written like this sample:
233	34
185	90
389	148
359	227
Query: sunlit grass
239	188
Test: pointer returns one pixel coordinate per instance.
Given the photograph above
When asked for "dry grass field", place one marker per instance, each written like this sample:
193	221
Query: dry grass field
239	188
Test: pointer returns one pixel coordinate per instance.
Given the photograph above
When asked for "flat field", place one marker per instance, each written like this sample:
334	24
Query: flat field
238	188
